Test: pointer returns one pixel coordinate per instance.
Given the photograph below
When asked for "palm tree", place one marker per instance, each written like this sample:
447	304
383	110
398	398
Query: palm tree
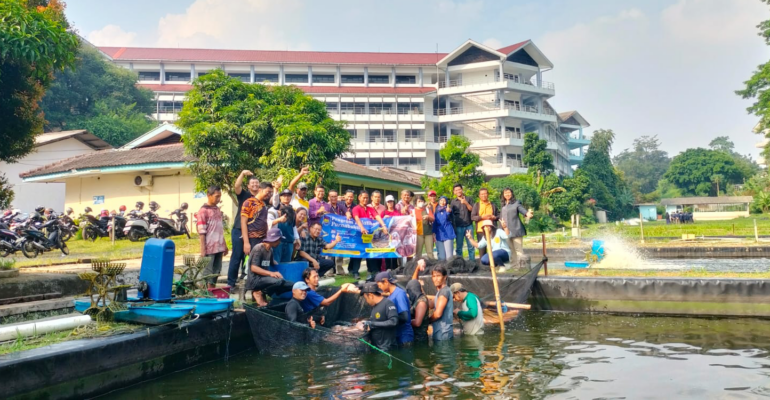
762	201
716	179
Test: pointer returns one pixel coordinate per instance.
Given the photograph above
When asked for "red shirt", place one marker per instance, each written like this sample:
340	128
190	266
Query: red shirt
364	212
387	213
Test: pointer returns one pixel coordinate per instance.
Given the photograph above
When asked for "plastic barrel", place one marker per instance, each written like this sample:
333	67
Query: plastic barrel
291	271
158	268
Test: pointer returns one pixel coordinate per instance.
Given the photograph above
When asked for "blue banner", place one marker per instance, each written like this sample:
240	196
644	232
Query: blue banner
400	241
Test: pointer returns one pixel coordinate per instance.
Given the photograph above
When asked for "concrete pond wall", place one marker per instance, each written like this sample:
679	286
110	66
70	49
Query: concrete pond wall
561	254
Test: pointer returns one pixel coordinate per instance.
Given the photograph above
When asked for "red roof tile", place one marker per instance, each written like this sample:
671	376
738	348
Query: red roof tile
510	49
314	89
269	56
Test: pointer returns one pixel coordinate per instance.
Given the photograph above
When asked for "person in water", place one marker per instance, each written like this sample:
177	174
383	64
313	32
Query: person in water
441	319
387	285
419	304
469	311
313	300
381	327
294	311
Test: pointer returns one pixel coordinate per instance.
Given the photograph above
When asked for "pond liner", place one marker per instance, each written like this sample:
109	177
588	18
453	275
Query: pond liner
657	296
90	367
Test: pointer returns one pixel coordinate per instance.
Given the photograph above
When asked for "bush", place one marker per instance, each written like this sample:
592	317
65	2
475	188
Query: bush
7	264
523	192
541	223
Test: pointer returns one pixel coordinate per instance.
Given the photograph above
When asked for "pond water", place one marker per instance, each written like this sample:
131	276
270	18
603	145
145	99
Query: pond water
542	355
682	264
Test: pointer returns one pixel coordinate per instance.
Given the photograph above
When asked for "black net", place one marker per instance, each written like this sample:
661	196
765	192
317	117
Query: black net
274	334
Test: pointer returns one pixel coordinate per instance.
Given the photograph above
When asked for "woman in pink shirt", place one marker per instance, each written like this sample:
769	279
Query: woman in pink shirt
365	210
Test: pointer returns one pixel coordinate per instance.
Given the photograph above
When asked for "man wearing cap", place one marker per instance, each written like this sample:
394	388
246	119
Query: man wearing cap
300	196
501	252
469	312
261	280
317	207
387	284
312	246
314	301
382	325
283	217
294	311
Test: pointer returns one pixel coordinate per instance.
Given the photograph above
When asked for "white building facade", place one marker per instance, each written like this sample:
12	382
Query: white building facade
400	108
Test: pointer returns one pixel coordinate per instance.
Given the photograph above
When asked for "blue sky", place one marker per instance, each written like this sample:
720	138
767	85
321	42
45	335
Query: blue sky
652	67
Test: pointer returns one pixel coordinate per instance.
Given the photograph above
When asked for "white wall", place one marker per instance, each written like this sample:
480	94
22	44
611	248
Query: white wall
31	194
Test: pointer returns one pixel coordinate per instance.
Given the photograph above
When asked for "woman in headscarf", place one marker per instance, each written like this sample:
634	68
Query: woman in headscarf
443	229
418	304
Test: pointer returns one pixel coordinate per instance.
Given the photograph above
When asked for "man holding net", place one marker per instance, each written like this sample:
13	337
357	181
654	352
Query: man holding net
381	327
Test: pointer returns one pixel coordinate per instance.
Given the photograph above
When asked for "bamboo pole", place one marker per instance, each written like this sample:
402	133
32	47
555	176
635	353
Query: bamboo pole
494	278
545	263
641	223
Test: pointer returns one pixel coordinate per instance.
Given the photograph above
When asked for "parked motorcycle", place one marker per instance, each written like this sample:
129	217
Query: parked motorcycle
35	241
141	226
94	227
68	226
10	241
168	227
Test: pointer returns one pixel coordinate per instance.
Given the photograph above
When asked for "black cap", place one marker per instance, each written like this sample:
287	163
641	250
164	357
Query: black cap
286	192
371	287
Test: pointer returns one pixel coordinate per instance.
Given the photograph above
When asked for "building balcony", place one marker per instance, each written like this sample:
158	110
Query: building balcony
458	86
524	112
575	143
576	159
502	169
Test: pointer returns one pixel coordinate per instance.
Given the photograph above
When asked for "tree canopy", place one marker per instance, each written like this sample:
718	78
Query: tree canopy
462	167
643	165
745	164
520	185
605	184
536	156
98	96
756	88
692	171
274	130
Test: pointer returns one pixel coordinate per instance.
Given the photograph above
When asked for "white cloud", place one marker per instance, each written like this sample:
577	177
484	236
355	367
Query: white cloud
250	24
493	43
670	74
111	35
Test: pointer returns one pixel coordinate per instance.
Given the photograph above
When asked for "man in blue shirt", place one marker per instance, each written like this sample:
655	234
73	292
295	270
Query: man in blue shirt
314	301
386	283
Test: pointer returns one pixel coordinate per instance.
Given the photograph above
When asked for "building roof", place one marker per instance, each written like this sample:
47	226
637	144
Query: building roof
269	56
681	201
282	57
313	89
156	136
172	153
80	135
565	116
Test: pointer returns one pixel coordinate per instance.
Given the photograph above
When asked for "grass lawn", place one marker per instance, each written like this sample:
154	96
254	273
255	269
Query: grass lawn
91	331
103	248
735	227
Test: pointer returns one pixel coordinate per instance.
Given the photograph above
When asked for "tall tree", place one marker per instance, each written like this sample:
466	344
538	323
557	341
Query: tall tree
231	126
747	166
34	43
462	167
756	88
99	96
521	188
691	171
536	156
643	165
605	183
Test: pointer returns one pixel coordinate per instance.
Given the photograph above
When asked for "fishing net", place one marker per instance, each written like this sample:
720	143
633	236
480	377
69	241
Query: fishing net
274	334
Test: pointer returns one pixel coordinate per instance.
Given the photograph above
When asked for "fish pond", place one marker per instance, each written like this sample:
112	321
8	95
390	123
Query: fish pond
541	355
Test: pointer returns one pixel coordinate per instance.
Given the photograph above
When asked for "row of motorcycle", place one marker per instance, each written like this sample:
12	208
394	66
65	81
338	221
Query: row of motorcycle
45	230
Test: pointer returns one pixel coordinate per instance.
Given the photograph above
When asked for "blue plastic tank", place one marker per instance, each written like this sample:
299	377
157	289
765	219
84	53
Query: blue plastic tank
158	268
291	271
597	249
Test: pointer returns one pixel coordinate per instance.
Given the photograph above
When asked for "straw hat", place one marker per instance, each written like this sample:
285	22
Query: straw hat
486	223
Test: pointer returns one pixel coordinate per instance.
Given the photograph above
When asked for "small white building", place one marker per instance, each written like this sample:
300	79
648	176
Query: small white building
49	148
710	208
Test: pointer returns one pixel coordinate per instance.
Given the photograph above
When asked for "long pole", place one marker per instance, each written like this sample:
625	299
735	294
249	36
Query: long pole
545	256
641	224
756	232
494	279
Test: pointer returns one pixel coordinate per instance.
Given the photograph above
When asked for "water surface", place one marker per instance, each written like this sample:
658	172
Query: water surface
542	355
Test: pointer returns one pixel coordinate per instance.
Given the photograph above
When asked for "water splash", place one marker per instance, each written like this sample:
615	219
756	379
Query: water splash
621	254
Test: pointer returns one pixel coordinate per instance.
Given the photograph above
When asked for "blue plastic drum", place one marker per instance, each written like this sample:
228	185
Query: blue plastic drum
291	271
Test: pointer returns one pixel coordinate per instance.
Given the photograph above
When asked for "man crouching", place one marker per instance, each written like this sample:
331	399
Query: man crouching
261	280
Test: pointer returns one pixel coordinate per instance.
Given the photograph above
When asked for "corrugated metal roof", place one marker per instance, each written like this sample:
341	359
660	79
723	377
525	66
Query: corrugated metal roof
681	201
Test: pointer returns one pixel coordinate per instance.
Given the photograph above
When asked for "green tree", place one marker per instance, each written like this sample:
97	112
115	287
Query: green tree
524	192
34	43
643	165
691	171
6	193
98	96
536	157
605	182
462	167
745	164
756	88
231	126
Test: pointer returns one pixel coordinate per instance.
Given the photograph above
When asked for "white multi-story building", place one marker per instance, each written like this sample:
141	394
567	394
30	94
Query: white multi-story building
400	108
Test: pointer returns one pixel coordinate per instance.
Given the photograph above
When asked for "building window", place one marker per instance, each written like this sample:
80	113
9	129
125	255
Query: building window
406	79
242	77
169	106
149	75
177	76
440	162
411	164
259	78
379	79
353	108
515	133
323	78
380	108
414	135
382	135
410	108
296	78
382	162
353	133
331	108
352	79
